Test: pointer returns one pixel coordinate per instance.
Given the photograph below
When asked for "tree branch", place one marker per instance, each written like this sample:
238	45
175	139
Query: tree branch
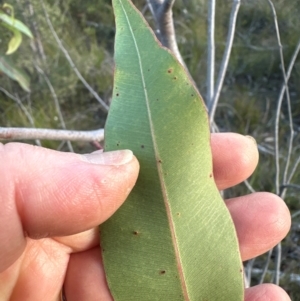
211	51
50	134
285	89
265	269
163	16
56	103
36	43
65	52
212	105
23	108
280	191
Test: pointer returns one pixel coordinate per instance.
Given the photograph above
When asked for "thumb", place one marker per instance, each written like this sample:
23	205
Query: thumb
46	193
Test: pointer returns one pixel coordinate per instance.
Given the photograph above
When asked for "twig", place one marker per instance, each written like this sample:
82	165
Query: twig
63	49
249	186
294	215
211	51
212	105
248	271
292	277
50	134
290	148
294	186
279	109
279	103
278	263
295	167
56	103
36	43
18	101
264	272
277	175
23	108
163	16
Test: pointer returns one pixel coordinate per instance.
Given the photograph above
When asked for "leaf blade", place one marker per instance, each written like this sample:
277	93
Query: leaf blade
174	183
8	68
15	41
16	24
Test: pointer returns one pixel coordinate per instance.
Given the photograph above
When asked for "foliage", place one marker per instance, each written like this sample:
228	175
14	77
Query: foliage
160	218
16	27
47	67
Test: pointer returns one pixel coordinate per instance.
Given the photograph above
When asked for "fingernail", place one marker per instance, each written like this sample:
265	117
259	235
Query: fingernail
119	157
252	139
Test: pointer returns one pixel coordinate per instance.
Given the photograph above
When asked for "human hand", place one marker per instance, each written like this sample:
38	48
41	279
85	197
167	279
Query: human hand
52	202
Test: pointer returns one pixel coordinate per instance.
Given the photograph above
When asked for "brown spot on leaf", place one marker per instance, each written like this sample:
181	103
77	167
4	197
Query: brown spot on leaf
162	272
170	70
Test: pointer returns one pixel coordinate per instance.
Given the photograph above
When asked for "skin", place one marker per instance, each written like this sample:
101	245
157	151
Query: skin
51	204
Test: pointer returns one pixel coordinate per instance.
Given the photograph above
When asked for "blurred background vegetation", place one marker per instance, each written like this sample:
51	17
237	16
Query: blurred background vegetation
248	99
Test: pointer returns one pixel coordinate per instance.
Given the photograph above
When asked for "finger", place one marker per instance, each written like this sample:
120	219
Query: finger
33	277
234	158
266	292
85	279
261	219
47	193
81	241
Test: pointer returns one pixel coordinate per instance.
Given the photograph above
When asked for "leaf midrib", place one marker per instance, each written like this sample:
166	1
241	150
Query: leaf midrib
162	183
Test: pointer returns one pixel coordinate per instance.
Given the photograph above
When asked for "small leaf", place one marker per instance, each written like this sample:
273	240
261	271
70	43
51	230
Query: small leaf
173	239
8	68
15	41
16	24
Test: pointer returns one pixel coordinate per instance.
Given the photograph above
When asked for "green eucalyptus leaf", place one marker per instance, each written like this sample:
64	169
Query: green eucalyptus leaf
173	238
15	41
14	23
8	68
